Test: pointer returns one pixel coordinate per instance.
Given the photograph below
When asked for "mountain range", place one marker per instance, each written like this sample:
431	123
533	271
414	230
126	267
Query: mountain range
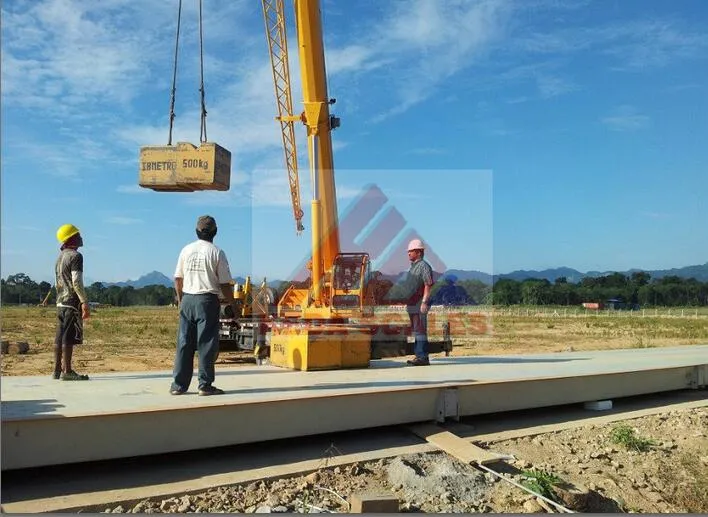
699	272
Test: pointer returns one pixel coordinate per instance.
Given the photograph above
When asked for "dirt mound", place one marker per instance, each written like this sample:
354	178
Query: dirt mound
651	464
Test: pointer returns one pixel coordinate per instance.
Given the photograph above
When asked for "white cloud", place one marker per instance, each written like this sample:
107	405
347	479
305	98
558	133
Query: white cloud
432	41
68	51
552	86
626	118
77	61
354	58
635	44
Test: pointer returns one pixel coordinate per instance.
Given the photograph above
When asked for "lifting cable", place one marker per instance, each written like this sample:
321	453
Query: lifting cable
174	74
202	91
324	51
203	131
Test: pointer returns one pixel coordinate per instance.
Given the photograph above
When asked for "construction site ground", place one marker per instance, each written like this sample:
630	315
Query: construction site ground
143	338
671	475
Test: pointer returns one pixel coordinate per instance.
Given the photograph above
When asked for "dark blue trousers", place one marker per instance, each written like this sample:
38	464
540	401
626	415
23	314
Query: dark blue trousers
419	327
198	332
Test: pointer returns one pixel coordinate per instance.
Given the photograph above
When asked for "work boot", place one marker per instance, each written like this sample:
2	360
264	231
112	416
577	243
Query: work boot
419	362
71	375
205	391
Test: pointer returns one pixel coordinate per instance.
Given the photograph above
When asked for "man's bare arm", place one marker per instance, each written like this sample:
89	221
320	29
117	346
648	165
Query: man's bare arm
227	290
179	283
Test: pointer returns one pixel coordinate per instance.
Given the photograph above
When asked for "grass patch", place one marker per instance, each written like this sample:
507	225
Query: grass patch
688	485
541	482
624	435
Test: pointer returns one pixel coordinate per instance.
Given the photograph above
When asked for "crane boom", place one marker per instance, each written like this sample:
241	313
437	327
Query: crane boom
274	15
319	124
325	226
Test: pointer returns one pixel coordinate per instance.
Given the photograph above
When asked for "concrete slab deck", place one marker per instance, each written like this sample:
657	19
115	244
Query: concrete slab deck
132	414
40	397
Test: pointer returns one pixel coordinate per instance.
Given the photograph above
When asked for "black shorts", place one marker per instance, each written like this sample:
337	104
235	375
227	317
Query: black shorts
70	328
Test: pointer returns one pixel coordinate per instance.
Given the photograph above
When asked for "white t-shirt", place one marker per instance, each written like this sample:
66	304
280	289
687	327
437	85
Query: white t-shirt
203	266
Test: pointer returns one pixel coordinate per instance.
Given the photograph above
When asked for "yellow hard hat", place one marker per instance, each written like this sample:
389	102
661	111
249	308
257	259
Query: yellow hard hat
66	231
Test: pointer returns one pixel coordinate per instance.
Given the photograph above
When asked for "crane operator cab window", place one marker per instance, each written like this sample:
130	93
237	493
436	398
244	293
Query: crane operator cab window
350	272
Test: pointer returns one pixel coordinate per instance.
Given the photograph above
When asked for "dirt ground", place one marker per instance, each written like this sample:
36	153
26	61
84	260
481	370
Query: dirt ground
590	472
143	338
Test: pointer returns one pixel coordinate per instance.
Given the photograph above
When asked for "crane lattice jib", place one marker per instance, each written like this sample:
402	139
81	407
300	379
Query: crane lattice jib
274	14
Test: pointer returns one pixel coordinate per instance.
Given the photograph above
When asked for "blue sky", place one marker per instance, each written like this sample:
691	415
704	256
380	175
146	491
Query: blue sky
508	134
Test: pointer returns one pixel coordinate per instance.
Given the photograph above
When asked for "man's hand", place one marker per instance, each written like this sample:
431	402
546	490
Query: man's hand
236	308
424	308
85	311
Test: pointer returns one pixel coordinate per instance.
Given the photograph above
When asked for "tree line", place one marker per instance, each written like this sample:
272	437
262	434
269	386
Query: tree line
21	289
637	289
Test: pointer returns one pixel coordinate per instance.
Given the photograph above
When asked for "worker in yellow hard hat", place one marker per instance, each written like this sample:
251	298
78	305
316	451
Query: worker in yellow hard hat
419	281
72	302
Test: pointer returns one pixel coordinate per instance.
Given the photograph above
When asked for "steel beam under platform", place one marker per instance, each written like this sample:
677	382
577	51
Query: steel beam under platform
49	422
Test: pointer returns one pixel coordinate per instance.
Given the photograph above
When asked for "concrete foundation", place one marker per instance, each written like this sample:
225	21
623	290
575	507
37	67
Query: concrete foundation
125	415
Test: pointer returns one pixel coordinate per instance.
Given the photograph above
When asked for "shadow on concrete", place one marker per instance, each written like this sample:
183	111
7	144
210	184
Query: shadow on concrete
375	363
65	480
463	360
22	409
345	386
166	375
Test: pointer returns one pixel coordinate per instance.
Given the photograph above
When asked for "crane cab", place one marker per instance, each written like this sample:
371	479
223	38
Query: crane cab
185	167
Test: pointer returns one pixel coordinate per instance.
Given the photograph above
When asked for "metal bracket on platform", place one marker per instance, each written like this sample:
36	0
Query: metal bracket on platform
448	405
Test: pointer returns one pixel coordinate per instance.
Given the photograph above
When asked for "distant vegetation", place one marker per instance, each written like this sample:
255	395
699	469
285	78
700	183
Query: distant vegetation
636	289
21	289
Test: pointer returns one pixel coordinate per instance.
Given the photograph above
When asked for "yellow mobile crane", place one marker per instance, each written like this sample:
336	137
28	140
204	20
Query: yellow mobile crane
322	335
325	324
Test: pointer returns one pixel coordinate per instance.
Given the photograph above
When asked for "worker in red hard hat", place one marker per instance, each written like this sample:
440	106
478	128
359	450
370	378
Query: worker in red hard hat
72	302
419	282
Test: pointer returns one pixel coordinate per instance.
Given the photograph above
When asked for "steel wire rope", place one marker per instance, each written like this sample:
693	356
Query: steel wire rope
324	52
174	74
203	129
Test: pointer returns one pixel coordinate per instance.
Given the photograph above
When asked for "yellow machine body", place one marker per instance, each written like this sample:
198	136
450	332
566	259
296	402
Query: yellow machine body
185	167
325	347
